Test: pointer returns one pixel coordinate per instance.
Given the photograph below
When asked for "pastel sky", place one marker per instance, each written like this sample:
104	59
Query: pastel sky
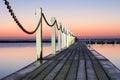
85	18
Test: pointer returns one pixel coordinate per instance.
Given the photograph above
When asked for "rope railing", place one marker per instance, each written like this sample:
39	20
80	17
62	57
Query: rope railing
31	32
55	22
65	37
17	21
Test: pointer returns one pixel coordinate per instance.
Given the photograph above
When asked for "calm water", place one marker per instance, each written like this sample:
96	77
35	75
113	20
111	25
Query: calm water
14	56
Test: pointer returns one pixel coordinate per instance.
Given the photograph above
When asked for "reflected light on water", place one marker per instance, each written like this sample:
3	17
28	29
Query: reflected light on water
18	55
111	52
13	59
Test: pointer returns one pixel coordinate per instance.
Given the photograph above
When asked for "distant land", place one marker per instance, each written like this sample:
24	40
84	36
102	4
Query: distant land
100	40
85	40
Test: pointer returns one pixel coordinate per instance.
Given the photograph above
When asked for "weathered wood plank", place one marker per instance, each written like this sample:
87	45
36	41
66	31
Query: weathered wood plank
97	55
54	72
98	69
90	71
44	73
112	71
64	71
72	75
91	75
81	75
44	66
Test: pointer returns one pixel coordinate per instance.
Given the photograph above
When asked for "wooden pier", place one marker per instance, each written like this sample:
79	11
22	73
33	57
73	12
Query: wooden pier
75	62
78	62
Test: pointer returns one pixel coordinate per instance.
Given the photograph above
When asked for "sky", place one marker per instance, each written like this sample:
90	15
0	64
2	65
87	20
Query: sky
84	18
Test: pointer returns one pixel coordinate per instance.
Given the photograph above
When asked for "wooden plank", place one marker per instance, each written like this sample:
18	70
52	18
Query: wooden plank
81	75
34	73
44	73
97	55
64	71
72	74
91	75
81	70
111	70
90	71
98	69
89	68
54	72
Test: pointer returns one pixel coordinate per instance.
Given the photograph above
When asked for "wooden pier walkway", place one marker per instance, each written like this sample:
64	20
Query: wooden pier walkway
78	62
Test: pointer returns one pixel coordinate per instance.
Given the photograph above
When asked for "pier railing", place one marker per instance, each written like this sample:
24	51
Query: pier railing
65	37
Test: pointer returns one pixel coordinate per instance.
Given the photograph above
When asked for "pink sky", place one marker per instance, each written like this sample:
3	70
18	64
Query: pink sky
84	18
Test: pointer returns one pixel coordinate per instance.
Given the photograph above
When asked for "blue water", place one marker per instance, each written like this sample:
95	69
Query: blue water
14	56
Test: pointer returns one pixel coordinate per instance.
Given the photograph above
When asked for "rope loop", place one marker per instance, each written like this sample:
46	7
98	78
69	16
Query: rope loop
42	16
47	21
17	21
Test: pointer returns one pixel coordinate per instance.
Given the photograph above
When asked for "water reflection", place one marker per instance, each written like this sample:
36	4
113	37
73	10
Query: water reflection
14	56
112	52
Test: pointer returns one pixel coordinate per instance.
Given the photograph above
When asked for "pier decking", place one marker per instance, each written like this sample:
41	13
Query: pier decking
78	62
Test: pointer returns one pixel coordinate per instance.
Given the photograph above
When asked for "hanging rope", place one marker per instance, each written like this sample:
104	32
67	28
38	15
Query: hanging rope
55	22
47	21
17	21
32	32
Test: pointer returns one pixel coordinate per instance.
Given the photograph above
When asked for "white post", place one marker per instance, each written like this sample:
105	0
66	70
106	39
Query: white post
62	39
68	39
39	35
53	39
73	39
59	38
65	39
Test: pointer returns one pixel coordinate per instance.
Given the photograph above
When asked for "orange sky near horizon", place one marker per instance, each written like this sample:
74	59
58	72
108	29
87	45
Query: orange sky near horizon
90	18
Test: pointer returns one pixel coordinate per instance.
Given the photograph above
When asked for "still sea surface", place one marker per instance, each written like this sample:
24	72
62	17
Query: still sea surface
14	56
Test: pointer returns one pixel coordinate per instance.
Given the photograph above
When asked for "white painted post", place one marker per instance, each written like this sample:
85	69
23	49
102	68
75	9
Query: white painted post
68	39
39	35
53	39
65	40
73	39
59	38
62	39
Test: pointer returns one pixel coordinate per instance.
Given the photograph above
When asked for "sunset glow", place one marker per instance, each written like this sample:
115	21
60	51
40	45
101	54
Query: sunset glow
85	18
